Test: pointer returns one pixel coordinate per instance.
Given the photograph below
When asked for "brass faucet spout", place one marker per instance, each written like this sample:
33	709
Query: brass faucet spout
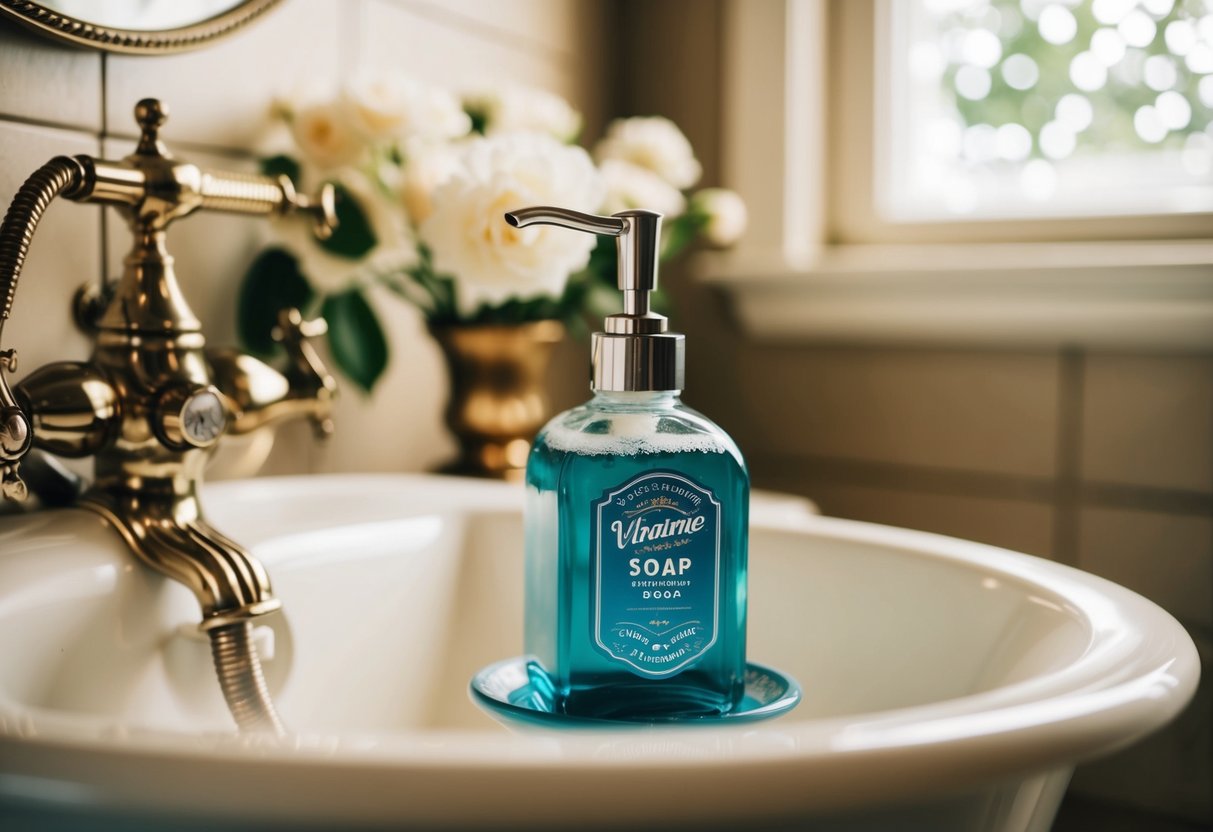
153	400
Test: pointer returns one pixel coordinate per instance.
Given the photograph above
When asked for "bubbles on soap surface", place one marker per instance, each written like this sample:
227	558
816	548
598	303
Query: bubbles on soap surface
561	438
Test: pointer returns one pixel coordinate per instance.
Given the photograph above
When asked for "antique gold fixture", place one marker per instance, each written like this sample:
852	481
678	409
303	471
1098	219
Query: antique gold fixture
498	399
153	400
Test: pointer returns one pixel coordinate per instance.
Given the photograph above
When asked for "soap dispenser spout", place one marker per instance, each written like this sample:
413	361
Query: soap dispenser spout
638	239
636	351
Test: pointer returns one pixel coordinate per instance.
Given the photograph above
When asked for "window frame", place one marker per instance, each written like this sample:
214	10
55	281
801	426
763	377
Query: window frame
819	261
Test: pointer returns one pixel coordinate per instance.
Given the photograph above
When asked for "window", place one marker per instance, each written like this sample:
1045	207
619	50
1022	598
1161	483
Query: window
1006	108
867	225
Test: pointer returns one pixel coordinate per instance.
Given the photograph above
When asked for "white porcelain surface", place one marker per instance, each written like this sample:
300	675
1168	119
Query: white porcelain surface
947	684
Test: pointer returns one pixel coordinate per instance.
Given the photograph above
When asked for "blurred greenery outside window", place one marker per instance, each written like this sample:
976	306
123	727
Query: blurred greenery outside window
1045	108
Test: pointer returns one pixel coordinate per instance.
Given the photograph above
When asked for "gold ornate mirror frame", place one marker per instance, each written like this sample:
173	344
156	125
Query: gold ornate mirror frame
132	41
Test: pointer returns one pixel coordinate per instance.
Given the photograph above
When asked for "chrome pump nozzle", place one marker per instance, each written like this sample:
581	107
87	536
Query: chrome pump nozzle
636	352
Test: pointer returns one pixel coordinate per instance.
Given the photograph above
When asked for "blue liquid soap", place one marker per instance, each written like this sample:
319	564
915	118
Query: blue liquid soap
636	520
636	530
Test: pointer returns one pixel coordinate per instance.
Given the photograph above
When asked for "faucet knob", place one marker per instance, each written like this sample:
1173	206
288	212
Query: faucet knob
15	433
190	416
14	487
306	370
150	115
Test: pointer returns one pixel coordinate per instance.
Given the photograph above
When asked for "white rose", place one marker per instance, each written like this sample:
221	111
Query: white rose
655	143
726	213
387	106
466	231
325	136
629	186
427	165
526	109
394	249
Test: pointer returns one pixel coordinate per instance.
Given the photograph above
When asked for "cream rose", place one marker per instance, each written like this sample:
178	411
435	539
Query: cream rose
427	165
525	109
654	143
470	240
726	213
392	106
629	186
324	134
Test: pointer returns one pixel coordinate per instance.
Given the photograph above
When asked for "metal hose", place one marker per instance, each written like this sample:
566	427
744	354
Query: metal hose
241	679
59	175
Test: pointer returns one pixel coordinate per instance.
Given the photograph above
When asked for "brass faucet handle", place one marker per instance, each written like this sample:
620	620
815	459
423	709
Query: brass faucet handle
322	207
307	370
292	327
239	193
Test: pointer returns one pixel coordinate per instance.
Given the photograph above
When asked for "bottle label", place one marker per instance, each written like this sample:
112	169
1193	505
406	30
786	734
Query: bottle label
656	572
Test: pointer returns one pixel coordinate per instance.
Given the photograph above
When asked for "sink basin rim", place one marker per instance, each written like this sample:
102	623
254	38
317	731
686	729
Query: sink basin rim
1139	680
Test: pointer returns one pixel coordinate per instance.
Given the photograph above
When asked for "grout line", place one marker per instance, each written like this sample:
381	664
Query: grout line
910	478
104	94
1145	498
235	153
103	278
1069	456
50	125
950	482
103	274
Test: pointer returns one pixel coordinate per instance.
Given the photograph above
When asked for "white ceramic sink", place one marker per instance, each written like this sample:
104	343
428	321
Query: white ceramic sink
947	685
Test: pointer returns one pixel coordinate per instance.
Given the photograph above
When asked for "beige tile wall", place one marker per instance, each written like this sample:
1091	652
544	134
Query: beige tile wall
58	100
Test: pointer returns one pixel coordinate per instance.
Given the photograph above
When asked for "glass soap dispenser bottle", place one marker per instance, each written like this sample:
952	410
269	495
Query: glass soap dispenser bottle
636	520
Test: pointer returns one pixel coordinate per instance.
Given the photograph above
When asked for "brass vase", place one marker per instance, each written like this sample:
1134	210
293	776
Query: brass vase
498	397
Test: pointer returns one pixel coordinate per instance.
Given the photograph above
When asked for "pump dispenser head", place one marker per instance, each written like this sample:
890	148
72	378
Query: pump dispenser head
636	352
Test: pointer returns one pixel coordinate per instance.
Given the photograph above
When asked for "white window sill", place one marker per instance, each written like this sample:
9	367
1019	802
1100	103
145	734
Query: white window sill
1114	295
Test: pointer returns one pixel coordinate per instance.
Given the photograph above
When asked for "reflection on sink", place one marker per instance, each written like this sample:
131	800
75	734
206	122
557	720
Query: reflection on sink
947	684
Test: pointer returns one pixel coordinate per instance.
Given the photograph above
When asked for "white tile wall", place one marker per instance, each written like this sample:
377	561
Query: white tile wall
43	82
219	98
549	24
396	35
220	95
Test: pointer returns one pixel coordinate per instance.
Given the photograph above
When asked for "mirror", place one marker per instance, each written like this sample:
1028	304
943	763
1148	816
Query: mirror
147	27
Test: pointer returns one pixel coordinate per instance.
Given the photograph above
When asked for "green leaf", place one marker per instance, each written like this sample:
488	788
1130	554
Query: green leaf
681	232
480	119
355	337
272	283
353	237
281	165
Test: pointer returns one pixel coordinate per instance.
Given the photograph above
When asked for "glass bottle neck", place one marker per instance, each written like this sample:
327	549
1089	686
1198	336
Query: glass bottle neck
635	399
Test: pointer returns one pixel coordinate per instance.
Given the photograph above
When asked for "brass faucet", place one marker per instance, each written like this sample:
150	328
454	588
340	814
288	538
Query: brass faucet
153	401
